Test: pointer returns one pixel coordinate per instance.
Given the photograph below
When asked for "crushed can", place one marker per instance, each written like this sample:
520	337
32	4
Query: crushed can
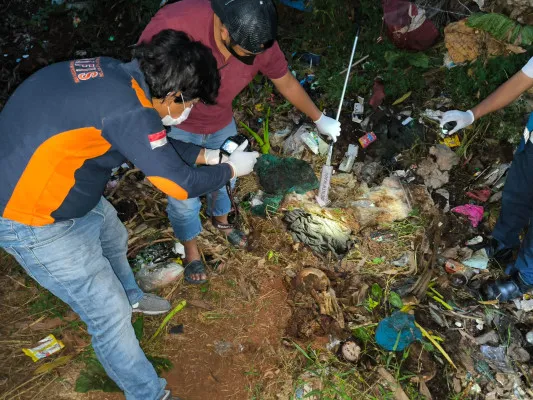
367	139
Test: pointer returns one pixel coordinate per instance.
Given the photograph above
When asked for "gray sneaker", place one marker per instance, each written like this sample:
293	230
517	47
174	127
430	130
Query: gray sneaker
150	304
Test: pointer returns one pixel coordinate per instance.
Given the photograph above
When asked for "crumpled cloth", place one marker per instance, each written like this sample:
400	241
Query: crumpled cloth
321	234
473	212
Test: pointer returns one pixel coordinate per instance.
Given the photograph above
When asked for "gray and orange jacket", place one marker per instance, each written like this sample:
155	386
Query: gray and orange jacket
68	125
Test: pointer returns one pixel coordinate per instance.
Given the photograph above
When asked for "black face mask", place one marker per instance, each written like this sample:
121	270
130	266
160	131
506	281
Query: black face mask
248	60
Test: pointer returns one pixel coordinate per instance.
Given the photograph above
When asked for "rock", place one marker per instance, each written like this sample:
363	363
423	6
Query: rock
371	171
467	44
490	337
445	157
350	351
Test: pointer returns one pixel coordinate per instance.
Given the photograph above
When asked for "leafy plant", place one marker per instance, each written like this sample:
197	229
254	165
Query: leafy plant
263	142
502	28
395	300
94	377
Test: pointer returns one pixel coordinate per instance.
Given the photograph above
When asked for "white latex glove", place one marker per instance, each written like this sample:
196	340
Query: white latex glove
462	118
328	126
242	162
212	157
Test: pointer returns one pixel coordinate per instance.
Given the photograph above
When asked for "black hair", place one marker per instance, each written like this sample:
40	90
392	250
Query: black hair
173	62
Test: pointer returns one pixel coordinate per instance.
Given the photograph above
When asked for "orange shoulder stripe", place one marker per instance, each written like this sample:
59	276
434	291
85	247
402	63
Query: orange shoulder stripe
49	175
169	187
140	94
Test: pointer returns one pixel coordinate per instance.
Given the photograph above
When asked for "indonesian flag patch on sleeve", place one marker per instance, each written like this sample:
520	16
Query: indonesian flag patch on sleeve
158	139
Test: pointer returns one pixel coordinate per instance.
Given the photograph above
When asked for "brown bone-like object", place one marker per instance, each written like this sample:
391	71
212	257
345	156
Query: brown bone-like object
317	284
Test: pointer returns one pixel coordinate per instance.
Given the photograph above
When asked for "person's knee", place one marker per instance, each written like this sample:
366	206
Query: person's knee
183	209
112	322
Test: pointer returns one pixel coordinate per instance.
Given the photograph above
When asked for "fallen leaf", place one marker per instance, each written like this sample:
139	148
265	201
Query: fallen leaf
50	366
402	99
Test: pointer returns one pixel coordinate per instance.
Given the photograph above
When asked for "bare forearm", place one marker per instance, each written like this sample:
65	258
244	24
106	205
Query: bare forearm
504	95
200	160
291	89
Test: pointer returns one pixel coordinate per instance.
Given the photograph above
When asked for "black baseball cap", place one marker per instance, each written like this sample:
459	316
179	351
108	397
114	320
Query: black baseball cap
252	24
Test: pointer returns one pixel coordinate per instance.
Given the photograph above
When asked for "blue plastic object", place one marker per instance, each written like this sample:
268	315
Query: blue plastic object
302	5
397	332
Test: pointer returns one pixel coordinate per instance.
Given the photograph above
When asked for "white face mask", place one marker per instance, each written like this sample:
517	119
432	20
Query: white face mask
169	121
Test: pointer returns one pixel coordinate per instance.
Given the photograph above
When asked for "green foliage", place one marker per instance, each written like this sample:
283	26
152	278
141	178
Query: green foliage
161	364
377	292
263	142
404	59
46	302
94	377
502	28
374	300
469	84
138	327
395	300
364	334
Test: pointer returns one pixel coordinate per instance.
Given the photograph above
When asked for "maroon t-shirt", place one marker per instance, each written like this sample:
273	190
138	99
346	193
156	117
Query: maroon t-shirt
195	17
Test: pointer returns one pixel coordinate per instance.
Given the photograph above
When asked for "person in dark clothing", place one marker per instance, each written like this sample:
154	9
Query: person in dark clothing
62	132
517	199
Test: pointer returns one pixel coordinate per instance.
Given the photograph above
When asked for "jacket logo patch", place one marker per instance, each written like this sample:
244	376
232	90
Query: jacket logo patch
158	139
85	69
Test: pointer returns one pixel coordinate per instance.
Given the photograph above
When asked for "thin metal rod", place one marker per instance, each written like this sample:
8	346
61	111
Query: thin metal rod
330	150
348	74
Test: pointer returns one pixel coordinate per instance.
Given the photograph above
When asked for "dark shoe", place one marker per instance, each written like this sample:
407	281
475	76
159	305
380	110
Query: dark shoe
502	256
193	268
505	289
236	237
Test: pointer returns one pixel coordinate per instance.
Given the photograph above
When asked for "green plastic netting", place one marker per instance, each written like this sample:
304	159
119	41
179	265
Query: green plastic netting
280	176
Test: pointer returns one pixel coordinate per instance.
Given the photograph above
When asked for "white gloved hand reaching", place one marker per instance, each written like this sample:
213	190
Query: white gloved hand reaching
462	118
212	157
328	126
242	162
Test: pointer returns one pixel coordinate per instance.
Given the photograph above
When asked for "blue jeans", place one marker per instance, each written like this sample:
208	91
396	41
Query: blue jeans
517	209
184	215
83	262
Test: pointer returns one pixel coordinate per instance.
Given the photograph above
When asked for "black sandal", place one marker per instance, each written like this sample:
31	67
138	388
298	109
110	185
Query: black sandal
236	237
195	267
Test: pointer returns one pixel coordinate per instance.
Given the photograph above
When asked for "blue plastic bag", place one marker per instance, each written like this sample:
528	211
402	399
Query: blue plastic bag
397	332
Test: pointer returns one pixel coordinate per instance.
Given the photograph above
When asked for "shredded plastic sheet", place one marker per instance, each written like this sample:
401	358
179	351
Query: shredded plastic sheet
473	212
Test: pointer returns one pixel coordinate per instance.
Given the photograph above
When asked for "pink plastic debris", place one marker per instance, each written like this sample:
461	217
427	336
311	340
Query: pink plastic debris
480	195
473	212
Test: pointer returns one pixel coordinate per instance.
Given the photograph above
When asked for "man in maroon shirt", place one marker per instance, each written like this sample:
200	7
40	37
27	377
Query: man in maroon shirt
242	36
